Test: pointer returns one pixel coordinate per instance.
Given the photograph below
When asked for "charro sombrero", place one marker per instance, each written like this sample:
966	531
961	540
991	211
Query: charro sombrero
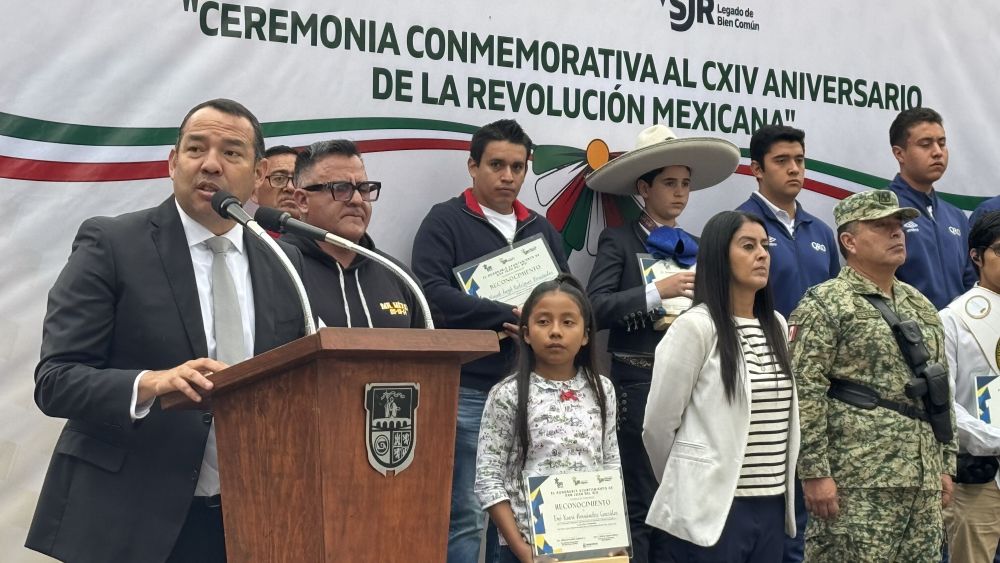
710	160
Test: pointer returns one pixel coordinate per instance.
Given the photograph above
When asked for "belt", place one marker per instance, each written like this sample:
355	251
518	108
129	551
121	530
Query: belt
864	397
641	362
214	501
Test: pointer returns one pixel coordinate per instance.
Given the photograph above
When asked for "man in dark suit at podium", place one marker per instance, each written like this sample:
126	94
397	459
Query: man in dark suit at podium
152	302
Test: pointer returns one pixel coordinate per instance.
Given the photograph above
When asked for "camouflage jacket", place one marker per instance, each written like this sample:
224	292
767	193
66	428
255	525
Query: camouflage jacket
838	334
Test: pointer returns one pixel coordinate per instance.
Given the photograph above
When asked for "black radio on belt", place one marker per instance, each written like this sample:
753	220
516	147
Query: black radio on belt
911	344
929	382
930	379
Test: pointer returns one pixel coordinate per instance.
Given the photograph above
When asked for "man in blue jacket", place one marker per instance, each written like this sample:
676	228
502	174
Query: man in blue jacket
803	248
937	259
483	219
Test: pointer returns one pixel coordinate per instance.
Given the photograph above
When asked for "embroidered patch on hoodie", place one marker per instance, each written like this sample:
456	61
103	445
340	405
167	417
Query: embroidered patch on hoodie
395	307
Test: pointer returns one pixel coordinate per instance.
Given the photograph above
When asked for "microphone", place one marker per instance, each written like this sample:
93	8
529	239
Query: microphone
229	207
276	220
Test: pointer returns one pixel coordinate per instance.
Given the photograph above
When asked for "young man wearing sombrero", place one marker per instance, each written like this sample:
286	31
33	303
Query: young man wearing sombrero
642	278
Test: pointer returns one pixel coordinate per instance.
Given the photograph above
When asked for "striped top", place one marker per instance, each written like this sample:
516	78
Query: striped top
766	459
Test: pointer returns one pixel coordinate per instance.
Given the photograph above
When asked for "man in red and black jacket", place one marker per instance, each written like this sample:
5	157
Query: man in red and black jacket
485	218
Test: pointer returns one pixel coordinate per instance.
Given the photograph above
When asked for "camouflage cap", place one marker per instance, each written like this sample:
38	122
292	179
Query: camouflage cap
871	205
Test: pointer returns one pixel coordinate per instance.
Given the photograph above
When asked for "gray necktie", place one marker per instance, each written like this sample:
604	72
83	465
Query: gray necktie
229	345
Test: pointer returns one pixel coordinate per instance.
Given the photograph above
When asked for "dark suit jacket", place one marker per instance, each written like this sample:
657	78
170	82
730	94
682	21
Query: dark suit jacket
127	301
618	292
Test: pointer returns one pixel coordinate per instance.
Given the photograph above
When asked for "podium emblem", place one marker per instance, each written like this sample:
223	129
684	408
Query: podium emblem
391	425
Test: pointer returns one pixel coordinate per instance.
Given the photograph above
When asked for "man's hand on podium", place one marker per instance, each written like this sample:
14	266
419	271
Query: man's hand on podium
183	378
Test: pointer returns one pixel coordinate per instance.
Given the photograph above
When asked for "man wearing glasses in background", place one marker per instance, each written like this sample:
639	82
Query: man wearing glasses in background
346	289
277	189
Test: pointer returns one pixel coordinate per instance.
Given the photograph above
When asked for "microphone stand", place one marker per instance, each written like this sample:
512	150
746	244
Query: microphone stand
277	220
226	205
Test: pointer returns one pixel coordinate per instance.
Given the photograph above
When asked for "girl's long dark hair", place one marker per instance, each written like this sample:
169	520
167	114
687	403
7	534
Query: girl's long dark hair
712	287
585	360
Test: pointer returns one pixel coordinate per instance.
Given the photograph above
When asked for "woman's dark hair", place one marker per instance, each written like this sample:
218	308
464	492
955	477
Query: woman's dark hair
713	277
585	360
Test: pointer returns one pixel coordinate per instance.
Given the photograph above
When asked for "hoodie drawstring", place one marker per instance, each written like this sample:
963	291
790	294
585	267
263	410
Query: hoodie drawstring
361	295
343	293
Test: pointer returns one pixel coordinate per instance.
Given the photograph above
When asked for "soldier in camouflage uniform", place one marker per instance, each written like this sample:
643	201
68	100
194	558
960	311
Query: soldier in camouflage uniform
875	479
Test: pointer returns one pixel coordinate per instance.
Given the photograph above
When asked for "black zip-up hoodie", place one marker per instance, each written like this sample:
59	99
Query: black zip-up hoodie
390	304
455	232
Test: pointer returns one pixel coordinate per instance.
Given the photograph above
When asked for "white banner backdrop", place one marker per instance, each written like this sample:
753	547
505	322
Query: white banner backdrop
92	93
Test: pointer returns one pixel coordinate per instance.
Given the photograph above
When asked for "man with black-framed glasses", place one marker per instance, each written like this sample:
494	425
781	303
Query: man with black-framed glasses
277	189
333	192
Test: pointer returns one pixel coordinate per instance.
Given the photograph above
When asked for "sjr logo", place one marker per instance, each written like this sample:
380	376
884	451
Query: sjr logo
686	12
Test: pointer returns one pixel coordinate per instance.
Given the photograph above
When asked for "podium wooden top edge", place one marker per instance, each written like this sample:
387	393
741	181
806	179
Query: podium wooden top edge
374	343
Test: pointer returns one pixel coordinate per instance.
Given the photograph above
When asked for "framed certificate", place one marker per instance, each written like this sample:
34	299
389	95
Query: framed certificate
988	399
508	275
577	516
654	269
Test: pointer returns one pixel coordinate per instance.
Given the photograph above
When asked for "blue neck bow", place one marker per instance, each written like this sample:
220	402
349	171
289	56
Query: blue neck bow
673	243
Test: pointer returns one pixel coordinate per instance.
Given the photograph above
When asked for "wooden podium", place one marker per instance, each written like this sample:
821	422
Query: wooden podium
297	485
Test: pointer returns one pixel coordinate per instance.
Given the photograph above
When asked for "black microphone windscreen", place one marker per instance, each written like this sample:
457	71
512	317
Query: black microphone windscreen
221	201
270	218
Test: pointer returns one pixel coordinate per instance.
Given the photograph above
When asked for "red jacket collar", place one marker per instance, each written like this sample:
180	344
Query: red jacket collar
520	211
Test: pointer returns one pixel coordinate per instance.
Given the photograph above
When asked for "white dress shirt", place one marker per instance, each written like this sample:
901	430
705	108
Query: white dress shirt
783	217
239	269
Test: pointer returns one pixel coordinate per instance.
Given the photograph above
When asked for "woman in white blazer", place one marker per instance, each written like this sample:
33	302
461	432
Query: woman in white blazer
721	426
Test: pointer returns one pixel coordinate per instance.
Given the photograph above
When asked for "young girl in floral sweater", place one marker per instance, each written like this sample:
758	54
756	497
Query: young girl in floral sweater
555	415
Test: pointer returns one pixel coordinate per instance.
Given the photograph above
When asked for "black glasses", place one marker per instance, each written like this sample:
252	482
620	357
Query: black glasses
344	191
995	248
278	181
